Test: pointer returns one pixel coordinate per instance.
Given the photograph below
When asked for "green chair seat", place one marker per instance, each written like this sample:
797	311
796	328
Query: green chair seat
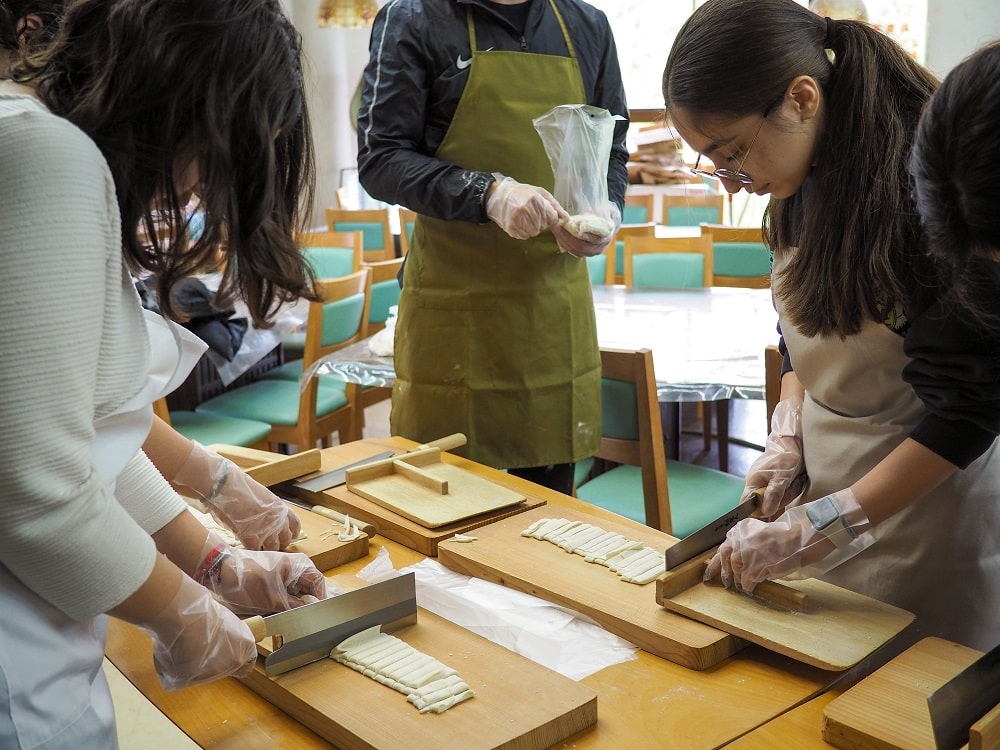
273	401
293	371
697	494
743	259
216	428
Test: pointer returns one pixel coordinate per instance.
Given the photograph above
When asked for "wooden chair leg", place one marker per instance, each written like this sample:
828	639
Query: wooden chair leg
722	432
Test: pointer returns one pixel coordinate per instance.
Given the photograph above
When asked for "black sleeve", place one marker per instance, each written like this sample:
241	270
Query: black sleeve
954	369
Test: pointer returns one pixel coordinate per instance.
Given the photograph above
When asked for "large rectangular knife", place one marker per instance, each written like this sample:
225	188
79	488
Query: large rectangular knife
964	700
711	534
308	633
338	476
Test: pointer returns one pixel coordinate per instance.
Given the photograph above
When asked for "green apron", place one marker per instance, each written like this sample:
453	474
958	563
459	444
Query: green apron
496	337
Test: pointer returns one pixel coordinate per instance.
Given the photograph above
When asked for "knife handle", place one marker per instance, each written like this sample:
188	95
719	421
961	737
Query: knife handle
257	626
446	443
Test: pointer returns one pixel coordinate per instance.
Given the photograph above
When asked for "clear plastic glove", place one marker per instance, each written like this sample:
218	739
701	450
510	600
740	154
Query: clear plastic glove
522	211
794	545
584	236
196	639
258	517
780	468
258	582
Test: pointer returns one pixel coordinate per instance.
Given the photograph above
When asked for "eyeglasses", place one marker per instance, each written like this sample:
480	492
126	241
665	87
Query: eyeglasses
727	174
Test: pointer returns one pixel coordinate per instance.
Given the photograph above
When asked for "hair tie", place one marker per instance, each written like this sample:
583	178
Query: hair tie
828	39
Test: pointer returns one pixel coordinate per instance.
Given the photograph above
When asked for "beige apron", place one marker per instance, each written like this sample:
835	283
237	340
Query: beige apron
496	337
938	558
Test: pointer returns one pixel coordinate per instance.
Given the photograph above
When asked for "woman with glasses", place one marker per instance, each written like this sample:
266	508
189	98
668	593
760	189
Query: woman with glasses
890	398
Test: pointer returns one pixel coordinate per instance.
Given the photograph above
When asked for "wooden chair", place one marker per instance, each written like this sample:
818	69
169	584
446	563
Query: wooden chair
638	208
668	262
692	209
209	429
331	255
647	229
385	291
373	223
772	380
672	496
407	219
739	256
679	262
601	267
327	404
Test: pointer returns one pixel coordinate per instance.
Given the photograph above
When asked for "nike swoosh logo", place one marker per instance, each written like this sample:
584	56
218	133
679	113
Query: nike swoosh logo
462	64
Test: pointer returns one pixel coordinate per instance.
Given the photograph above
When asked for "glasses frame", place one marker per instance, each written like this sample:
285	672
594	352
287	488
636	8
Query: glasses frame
728	174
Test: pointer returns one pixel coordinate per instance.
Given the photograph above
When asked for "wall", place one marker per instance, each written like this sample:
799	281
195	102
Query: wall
335	59
955	29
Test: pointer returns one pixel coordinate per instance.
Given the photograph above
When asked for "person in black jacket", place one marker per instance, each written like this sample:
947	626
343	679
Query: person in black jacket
496	335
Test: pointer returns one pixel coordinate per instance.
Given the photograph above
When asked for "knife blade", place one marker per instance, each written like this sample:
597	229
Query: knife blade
308	633
962	701
338	476
711	534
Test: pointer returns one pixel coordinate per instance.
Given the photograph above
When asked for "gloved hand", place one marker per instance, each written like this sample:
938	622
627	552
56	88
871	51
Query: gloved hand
780	468
522	211
582	238
258	517
794	545
196	639
258	582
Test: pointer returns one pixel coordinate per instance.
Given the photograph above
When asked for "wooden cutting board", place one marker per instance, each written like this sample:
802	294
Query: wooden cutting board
519	704
387	522
500	554
420	487
320	543
888	709
829	627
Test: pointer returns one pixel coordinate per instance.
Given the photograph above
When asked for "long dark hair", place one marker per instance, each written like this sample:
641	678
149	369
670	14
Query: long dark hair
955	165
856	226
156	83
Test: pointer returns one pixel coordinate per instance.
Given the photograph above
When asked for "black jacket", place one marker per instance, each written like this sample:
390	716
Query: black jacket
412	86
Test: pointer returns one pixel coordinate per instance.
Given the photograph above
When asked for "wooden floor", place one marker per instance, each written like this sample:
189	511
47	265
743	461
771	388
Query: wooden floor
747	424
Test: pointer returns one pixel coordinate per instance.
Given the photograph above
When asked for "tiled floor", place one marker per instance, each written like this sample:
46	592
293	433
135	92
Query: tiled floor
140	723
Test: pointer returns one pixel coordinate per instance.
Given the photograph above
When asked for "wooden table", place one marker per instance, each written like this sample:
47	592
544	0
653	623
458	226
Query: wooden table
645	703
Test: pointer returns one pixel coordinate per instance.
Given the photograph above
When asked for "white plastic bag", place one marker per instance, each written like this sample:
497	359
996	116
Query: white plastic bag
577	139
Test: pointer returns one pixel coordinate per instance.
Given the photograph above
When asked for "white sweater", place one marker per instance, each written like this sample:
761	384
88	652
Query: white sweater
73	347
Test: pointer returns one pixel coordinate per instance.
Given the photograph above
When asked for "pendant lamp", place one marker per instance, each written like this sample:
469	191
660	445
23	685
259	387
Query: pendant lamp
349	14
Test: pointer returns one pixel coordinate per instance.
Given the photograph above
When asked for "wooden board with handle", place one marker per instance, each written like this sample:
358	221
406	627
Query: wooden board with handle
387	522
519	705
500	554
319	543
420	487
811	621
888	709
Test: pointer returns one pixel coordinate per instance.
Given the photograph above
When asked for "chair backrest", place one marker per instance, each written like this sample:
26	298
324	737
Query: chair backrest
668	262
340	317
385	291
407	219
739	256
631	430
692	209
638	208
161	409
597	265
373	223
617	271
332	254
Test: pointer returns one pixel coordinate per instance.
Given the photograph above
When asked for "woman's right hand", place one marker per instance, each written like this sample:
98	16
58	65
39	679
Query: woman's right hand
781	469
196	639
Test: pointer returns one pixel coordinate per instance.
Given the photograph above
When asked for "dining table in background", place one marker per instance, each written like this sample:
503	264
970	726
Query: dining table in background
708	344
